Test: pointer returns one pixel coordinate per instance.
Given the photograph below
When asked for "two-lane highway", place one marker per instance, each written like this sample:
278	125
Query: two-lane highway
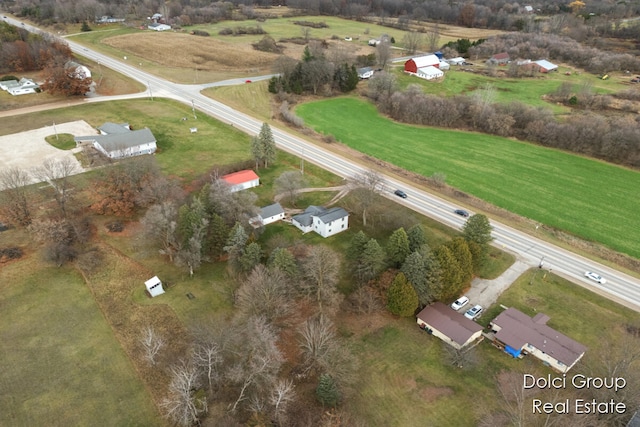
620	287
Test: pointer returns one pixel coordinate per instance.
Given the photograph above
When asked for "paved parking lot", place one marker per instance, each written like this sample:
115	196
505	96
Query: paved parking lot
29	149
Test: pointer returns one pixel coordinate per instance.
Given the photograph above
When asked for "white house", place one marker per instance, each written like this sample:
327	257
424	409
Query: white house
6	84
365	72
22	87
154	286
429	73
520	334
242	180
325	222
452	327
121	142
21	90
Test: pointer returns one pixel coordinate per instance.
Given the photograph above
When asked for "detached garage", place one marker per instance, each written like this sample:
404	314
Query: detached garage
242	180
447	324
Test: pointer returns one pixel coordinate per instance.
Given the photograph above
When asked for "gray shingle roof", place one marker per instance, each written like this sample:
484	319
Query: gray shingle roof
271	210
519	329
332	214
119	141
110	128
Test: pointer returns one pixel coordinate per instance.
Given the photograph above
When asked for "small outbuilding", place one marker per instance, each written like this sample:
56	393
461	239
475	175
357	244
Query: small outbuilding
242	180
271	213
365	72
458	60
499	58
154	286
545	66
447	324
158	27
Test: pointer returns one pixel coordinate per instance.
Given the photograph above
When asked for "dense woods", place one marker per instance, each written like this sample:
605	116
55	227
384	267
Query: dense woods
22	51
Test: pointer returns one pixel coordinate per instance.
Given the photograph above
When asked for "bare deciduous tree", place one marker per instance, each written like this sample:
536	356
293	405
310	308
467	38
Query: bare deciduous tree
57	173
366	186
160	225
183	405
322	268
264	293
282	394
412	41
14	197
151	343
290	183
318	338
383	54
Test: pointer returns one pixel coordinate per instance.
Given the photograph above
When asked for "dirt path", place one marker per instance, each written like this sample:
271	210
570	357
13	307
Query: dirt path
343	190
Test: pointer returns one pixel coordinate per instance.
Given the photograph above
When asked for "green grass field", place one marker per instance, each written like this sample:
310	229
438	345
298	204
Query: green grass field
586	197
529	90
61	364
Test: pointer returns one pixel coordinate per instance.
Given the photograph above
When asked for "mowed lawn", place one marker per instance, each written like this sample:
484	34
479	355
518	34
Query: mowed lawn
594	200
61	365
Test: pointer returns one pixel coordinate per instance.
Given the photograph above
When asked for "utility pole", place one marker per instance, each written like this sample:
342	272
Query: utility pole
150	93
302	162
55	130
193	109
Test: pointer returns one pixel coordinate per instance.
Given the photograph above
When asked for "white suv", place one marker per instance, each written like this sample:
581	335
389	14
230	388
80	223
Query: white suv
459	303
474	312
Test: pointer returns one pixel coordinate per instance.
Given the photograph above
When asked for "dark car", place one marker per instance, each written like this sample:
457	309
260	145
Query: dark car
400	193
462	213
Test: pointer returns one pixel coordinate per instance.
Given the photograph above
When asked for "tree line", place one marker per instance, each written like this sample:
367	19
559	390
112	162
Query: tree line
612	138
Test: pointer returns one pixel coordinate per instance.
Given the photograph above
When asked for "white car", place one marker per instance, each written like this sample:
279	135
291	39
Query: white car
459	303
595	277
473	312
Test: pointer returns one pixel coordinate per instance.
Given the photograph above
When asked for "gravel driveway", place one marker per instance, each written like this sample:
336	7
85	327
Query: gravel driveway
29	149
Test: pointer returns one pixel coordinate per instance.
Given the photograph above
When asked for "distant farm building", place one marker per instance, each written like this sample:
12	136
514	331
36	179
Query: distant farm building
242	180
545	66
429	73
117	141
414	64
499	59
458	60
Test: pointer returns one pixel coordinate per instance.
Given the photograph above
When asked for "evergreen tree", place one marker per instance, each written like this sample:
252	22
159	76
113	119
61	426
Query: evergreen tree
478	229
189	217
268	144
415	270
478	256
451	284
283	260
356	247
217	236
345	77
257	151
460	250
236	244
402	299
85	27
327	391
251	256
371	261
416	237
433	277
398	247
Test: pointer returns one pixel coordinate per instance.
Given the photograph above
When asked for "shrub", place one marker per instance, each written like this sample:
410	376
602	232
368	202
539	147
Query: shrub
200	33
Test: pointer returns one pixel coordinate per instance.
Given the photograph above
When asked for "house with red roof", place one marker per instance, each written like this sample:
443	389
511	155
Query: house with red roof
242	180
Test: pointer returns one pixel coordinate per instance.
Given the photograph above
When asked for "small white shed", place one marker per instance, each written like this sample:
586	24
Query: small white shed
154	286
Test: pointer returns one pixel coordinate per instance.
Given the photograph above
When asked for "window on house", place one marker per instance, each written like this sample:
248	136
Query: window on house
342	225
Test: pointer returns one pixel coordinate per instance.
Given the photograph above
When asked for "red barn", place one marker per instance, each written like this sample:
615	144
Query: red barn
412	65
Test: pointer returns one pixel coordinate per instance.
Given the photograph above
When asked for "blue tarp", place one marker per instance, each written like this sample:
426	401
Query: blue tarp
512	351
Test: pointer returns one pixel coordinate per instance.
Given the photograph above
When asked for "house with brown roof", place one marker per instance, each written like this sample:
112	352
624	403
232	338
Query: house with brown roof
519	334
447	324
499	58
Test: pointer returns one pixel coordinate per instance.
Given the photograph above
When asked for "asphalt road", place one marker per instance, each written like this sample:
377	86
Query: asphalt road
619	287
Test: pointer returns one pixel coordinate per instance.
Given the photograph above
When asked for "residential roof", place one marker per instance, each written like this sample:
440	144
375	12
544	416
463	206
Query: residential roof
119	141
364	70
305	218
449	322
240	177
426	60
518	329
271	210
546	64
332	214
502	55
111	128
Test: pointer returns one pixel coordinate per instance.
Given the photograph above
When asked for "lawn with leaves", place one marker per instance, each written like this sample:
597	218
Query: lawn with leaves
59	355
583	196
